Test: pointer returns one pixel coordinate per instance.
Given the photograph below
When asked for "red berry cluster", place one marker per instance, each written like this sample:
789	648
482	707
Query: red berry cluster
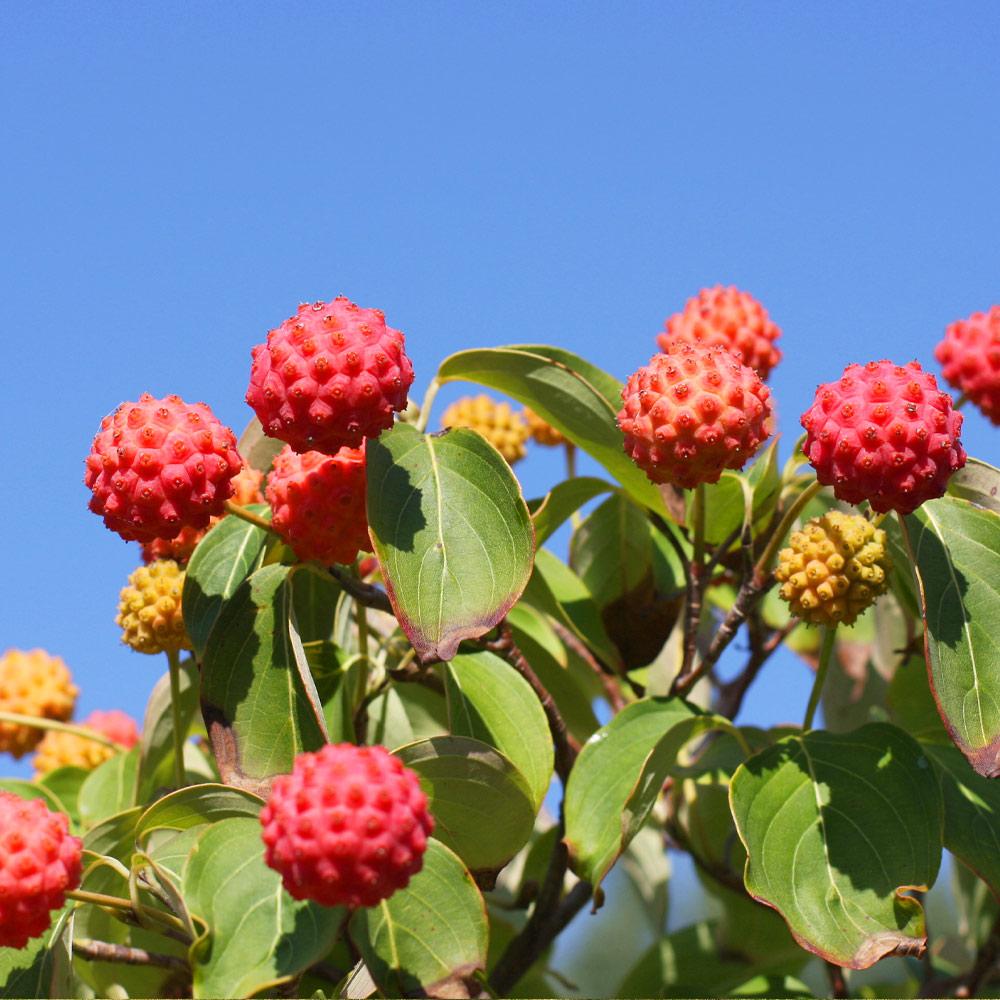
348	826
970	359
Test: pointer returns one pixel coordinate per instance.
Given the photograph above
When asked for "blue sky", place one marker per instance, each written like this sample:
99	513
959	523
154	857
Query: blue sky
178	177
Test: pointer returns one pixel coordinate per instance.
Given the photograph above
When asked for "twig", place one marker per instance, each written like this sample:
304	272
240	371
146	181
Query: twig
611	689
838	984
104	951
367	594
566	746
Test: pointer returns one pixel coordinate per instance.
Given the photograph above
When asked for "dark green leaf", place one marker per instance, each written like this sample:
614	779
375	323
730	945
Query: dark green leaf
452	534
837	827
404	713
430	936
489	701
618	777
956	551
557	506
260	937
480	801
258	713
571	394
225	557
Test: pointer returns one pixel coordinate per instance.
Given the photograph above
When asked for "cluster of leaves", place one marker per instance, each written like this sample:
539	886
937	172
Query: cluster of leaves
484	661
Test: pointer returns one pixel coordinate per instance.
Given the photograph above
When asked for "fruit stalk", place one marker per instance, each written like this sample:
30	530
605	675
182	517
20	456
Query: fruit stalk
825	657
175	707
34	722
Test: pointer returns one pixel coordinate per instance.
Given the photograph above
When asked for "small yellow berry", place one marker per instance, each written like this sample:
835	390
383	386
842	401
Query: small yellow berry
149	610
69	750
834	568
37	684
541	431
497	422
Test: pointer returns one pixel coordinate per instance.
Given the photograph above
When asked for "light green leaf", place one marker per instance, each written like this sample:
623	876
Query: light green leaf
837	827
619	775
971	814
259	936
403	713
109	788
574	396
452	534
979	483
29	790
258	713
156	747
195	805
430	936
489	701
956	554
65	784
480	801
256	448
550	512
225	557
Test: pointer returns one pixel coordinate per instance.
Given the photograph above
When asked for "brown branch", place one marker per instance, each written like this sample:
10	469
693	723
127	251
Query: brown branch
838	984
566	747
611	689
365	593
984	966
103	951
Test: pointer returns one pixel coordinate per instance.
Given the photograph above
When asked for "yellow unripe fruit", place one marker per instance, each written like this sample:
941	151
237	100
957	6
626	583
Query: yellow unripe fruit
834	569
497	422
542	432
149	610
37	684
71	750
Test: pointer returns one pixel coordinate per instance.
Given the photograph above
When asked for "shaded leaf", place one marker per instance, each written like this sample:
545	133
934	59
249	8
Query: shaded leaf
574	396
403	713
258	714
956	552
29	790
489	701
979	483
259	936
65	784
550	512
195	805
225	557
480	801
452	534
256	448
837	827
619	775
430	936
109	788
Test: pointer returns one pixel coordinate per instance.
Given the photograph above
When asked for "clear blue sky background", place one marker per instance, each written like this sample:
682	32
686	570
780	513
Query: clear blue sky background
179	176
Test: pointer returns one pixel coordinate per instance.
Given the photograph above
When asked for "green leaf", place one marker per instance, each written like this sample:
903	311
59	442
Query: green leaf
452	534
480	801
156	747
258	713
260	937
619	775
901	579
256	448
555	589
837	827
979	483
574	396
65	784
403	713
195	805
109	788
552	511
489	701
29	790
911	704
430	936
38	969
956	553
971	814
225	557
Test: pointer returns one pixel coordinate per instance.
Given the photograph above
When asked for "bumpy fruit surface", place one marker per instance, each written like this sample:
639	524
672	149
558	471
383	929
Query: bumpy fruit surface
247	489
884	433
70	750
690	414
348	826
497	422
149	609
32	683
729	318
318	504
834	568
160	465
39	864
970	359
329	377
541	431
